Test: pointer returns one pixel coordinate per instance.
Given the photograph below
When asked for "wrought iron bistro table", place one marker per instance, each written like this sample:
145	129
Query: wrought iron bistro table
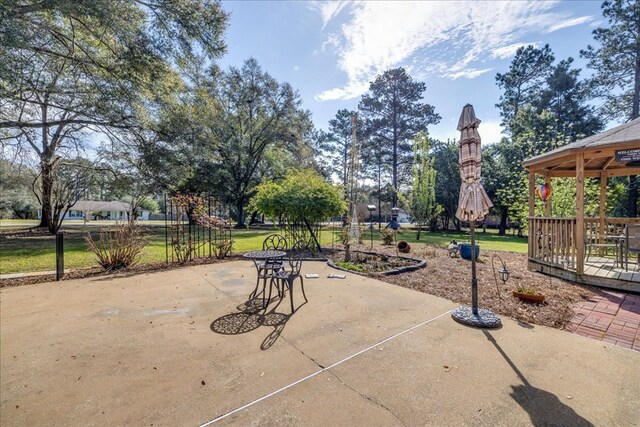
269	254
271	262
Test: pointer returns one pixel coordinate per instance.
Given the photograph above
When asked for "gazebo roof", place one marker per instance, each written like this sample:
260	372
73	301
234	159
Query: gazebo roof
599	153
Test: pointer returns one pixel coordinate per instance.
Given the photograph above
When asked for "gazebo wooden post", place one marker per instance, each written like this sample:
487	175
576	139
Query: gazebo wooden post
532	211
603	201
580	230
547	203
532	192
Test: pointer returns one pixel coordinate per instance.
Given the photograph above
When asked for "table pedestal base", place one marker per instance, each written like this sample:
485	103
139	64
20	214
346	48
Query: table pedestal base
484	319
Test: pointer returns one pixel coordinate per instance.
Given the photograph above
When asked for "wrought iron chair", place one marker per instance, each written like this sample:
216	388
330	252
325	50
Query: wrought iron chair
286	278
268	267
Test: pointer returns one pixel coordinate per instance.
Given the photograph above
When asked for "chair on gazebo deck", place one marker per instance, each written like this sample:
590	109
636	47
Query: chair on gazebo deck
599	242
631	243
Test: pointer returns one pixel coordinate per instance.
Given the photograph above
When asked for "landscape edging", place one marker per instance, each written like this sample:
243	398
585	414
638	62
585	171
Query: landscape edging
421	263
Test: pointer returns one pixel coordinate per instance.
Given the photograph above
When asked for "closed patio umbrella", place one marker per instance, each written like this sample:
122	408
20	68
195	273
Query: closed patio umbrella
473	205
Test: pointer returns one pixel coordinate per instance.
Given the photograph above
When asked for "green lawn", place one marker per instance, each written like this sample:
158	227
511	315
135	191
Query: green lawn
27	254
489	240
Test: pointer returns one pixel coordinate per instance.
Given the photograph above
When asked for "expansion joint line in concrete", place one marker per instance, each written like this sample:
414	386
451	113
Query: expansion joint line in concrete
308	377
299	350
370	399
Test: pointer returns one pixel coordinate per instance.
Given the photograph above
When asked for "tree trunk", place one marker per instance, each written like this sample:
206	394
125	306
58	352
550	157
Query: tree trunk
46	186
379	195
419	230
254	215
635	103
395	174
240	211
503	222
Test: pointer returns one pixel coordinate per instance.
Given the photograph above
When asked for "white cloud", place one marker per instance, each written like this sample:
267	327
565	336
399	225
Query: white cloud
296	68
490	132
569	23
510	50
343	93
381	35
468	73
328	9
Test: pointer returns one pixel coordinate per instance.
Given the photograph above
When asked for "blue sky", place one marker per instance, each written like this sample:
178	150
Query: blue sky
330	51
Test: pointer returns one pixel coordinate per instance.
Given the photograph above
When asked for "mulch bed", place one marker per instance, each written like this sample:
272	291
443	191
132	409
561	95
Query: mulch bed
374	262
450	278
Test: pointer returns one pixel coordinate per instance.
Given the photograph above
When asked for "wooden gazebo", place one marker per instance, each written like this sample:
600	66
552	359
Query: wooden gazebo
558	246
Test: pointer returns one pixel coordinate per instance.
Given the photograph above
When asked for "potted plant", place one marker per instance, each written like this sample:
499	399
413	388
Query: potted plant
528	295
404	247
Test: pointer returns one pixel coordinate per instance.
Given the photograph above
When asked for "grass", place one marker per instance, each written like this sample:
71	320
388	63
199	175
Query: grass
37	253
489	240
351	266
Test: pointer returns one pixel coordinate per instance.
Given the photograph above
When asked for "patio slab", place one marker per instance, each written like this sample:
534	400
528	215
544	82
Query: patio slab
175	348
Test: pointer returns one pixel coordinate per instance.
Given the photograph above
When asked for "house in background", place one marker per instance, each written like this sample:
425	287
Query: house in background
96	210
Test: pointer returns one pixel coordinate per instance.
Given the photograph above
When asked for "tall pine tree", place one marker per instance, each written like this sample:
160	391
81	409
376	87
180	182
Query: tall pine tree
393	114
616	66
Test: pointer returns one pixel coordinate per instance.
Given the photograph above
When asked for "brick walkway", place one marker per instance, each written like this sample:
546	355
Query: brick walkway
613	317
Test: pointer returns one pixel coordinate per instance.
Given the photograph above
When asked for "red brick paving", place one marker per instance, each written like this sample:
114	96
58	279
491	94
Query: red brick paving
611	317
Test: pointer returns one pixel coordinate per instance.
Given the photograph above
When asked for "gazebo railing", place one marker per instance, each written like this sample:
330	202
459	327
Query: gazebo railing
608	227
553	241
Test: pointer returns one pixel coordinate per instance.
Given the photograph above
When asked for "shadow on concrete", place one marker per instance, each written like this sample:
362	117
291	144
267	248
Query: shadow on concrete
524	325
251	316
544	408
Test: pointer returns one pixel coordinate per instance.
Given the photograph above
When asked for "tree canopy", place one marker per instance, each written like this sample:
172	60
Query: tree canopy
254	129
393	114
616	61
302	197
73	68
421	200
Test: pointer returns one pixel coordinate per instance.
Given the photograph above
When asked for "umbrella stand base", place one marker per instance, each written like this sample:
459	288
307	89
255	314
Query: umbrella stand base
484	319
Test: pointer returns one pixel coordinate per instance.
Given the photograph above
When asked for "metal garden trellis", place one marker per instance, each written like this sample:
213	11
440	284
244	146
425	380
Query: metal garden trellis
196	226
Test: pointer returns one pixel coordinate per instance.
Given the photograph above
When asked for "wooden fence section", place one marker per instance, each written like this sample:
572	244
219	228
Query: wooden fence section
553	241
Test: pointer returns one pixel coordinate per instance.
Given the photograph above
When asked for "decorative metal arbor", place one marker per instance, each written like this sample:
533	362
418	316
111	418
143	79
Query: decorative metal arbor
196	226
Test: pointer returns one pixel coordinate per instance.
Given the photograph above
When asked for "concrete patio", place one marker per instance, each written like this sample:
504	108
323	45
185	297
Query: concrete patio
177	348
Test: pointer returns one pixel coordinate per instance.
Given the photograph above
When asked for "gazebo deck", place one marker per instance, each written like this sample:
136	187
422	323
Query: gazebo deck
605	267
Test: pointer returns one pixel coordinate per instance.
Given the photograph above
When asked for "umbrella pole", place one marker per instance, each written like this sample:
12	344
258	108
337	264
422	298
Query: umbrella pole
474	280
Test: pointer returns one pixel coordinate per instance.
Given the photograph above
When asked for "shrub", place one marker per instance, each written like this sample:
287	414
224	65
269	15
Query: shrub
222	249
120	248
388	235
